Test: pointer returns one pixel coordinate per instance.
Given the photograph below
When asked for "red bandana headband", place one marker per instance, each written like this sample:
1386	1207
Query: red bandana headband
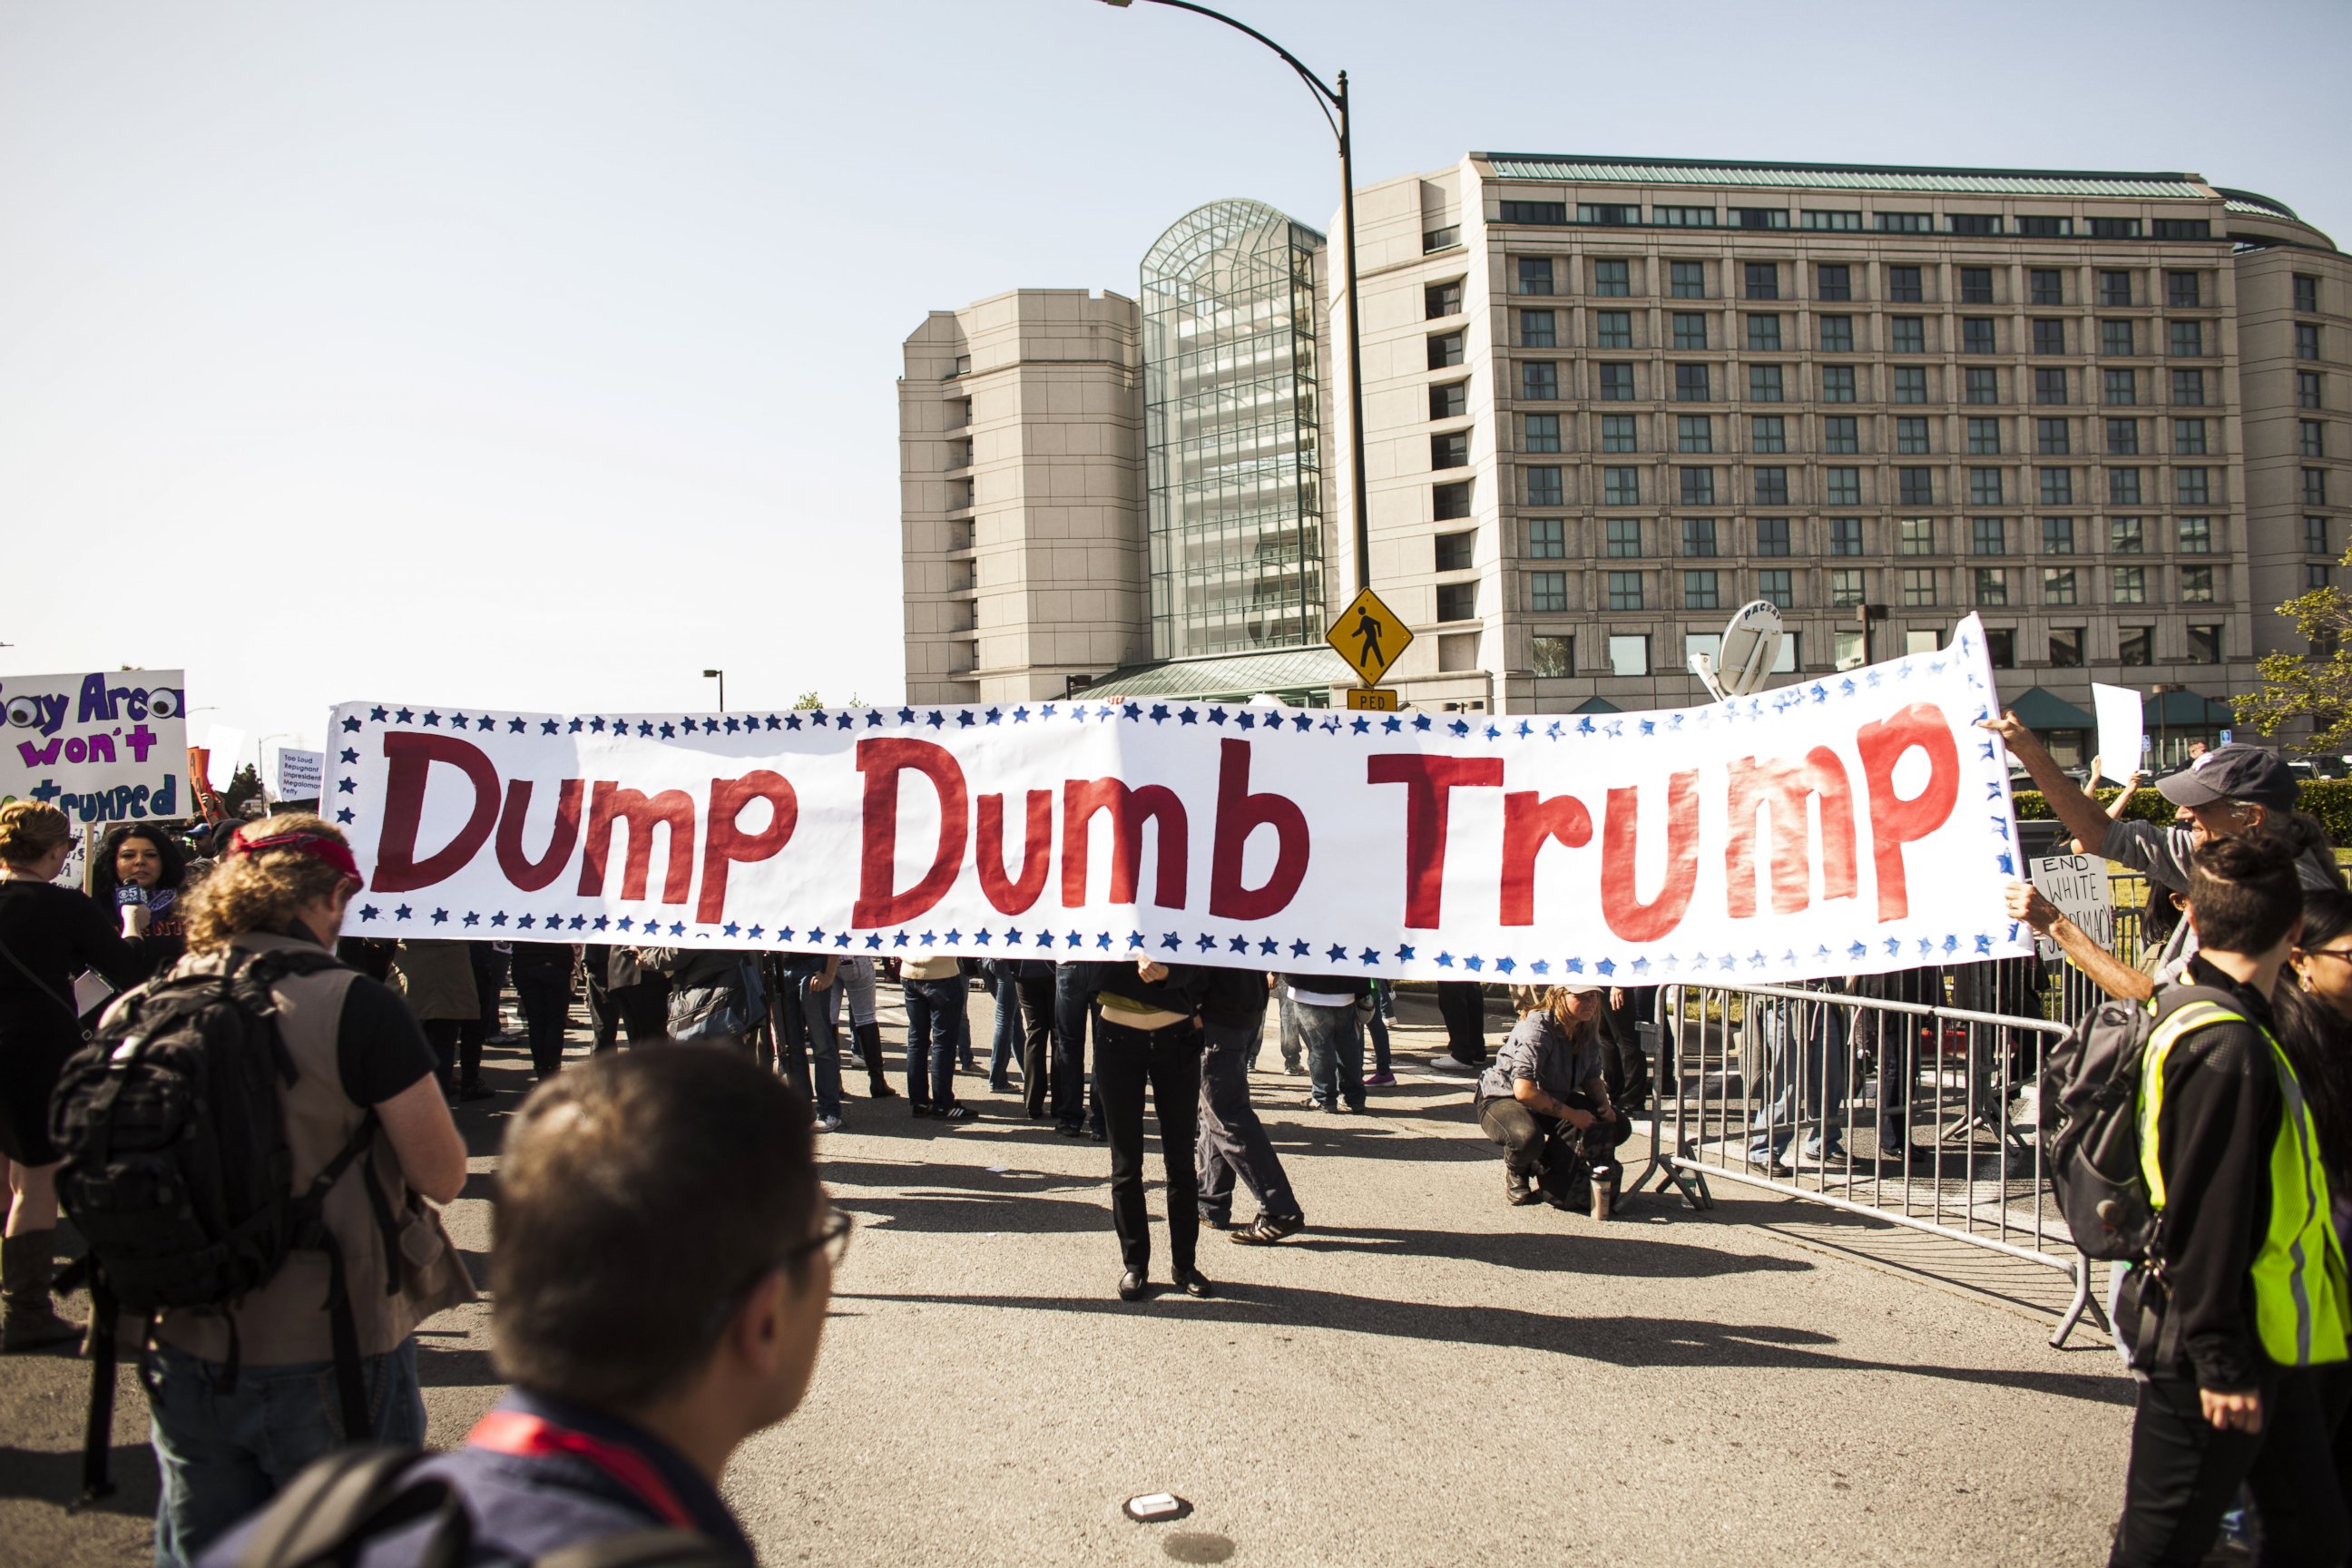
317	846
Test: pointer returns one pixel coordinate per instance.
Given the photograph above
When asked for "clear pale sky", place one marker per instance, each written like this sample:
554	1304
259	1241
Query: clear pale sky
541	356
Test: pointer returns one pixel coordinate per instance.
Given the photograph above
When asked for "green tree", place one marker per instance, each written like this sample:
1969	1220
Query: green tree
243	785
2317	686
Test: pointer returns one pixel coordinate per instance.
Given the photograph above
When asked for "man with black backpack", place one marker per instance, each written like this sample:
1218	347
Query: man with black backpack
2236	1319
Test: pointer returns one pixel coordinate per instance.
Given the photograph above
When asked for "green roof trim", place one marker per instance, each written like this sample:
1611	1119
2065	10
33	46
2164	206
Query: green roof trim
2039	708
2256	202
1921	181
1596	705
1235	677
2189	708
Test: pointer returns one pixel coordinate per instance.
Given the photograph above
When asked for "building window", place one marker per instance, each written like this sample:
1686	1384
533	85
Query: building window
2049	387
2115	338
2114	229
1543	433
1441	239
1918	587
1444	348
1457	552
1833	281
1984	436
1539	380
2123	437
1842	486
1763	279
2196	536
1449	400
2057	536
1763	383
1554	656
2197	584
2135	645
1616	383
1772	487
2051	438
1990	535
1767	433
1974	223
1910	334
1617	433
1450	451
2058	585
2126	536
1837	220
1535	275
2000	647
1450	501
1683	217
1535	212
1991	585
1771	536
1630	655
2307	293
1915	487
2114	287
2182	290
2119	388
2306	339
2037	227
1612	328
2044	286
1911	383
1905	222
1457	601
2189	437
2188	388
2049	335
1763	333
2314	487
2204	645
1690	329
1624	538
1759	218
2187	339
1612	279
2123	486
1540	330
1698	536
1546	592
1687	279
1690	384
1910	437
2317	574
1621	486
1841	433
1443	299
1976	285
1903	286
1700	591
2310	438
2188	487
1697	488
1613	212
1846	536
1845	587
1837	384
2057	486
1981	384
1777	585
1544	487
1916	536
1624	592
1975	335
1835	334
1694	433
2066	646
2307	389
2131	584
1984	487
2315	536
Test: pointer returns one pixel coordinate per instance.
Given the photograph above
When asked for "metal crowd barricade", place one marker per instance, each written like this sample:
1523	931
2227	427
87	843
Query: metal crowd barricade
1918	1114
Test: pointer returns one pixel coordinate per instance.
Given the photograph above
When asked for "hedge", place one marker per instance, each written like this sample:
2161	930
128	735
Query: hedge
2330	800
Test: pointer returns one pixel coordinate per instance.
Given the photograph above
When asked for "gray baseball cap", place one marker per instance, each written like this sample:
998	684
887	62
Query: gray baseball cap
2252	774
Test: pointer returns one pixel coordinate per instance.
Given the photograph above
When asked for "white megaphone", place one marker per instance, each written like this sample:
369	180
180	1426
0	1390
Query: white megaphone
1751	645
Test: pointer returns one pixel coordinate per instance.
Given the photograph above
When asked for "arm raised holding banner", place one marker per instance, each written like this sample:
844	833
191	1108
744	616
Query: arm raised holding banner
2080	814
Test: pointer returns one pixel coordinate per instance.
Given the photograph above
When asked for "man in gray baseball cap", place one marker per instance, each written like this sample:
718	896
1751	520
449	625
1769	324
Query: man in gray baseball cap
2224	793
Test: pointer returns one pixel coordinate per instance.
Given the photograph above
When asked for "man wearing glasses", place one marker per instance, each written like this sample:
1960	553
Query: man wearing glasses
663	1260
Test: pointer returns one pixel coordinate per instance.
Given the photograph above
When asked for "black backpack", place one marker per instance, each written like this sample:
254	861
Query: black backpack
2090	1133
177	1172
329	1515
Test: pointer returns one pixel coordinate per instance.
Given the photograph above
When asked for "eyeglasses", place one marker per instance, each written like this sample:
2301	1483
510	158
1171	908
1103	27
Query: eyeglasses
832	1236
2344	953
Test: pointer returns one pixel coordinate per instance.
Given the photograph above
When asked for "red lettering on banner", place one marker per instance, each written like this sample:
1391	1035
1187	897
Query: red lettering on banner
1015	896
524	872
1894	821
726	844
1239	815
410	758
1782	788
608	803
1529	822
1427	781
1622	904
882	760
1129	810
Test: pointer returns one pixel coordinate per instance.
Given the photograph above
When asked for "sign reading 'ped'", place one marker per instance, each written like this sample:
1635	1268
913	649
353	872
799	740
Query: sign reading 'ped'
1855	823
104	746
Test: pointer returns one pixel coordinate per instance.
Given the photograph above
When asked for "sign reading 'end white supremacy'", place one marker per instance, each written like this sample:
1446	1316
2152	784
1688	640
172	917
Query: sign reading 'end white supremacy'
1855	823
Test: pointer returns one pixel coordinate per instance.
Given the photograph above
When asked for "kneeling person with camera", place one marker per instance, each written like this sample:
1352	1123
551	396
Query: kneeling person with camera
1545	1101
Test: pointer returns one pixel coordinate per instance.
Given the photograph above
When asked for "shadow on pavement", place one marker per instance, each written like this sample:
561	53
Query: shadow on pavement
1633	1256
42	1476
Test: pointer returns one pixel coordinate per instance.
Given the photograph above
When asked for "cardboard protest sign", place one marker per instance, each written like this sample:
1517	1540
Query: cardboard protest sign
298	774
1854	823
2077	884
103	746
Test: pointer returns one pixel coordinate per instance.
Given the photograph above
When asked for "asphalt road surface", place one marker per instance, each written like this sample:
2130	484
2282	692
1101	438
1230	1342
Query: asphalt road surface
1423	1376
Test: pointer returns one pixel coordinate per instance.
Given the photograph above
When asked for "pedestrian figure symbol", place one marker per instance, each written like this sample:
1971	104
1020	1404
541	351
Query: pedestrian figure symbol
1368	635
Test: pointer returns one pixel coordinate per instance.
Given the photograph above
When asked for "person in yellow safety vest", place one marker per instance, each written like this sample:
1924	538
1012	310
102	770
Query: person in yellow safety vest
2238	1324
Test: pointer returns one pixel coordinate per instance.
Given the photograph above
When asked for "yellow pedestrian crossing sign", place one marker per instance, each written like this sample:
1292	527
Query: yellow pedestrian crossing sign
1368	635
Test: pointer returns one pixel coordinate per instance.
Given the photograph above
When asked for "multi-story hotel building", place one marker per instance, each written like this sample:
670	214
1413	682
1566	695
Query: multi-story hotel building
1607	402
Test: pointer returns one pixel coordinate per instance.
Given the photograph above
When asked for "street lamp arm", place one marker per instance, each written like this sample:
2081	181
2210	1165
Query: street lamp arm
1327	98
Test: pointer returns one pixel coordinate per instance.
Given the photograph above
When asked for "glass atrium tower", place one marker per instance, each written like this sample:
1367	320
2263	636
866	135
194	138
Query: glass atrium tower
1232	404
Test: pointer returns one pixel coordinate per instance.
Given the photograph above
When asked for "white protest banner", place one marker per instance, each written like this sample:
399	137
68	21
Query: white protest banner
1854	823
300	774
102	746
2122	726
2077	884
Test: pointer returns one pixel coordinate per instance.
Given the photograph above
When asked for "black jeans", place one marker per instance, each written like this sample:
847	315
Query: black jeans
546	1009
1071	1086
1524	1134
1232	1140
1169	1061
2185	1474
1463	1004
442	1035
1038	1065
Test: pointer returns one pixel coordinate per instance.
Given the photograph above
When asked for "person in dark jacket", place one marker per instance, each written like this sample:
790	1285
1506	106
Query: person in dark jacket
2238	1328
1232	1140
543	983
1147	1034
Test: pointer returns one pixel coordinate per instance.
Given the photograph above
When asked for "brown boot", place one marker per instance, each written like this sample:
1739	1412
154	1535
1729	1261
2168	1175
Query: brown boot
28	1320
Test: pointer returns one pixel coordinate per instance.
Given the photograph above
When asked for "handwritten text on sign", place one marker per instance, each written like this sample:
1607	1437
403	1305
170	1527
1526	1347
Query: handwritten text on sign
1855	823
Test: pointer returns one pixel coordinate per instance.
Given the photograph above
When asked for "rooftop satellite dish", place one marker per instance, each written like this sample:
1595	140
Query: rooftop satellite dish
1751	645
